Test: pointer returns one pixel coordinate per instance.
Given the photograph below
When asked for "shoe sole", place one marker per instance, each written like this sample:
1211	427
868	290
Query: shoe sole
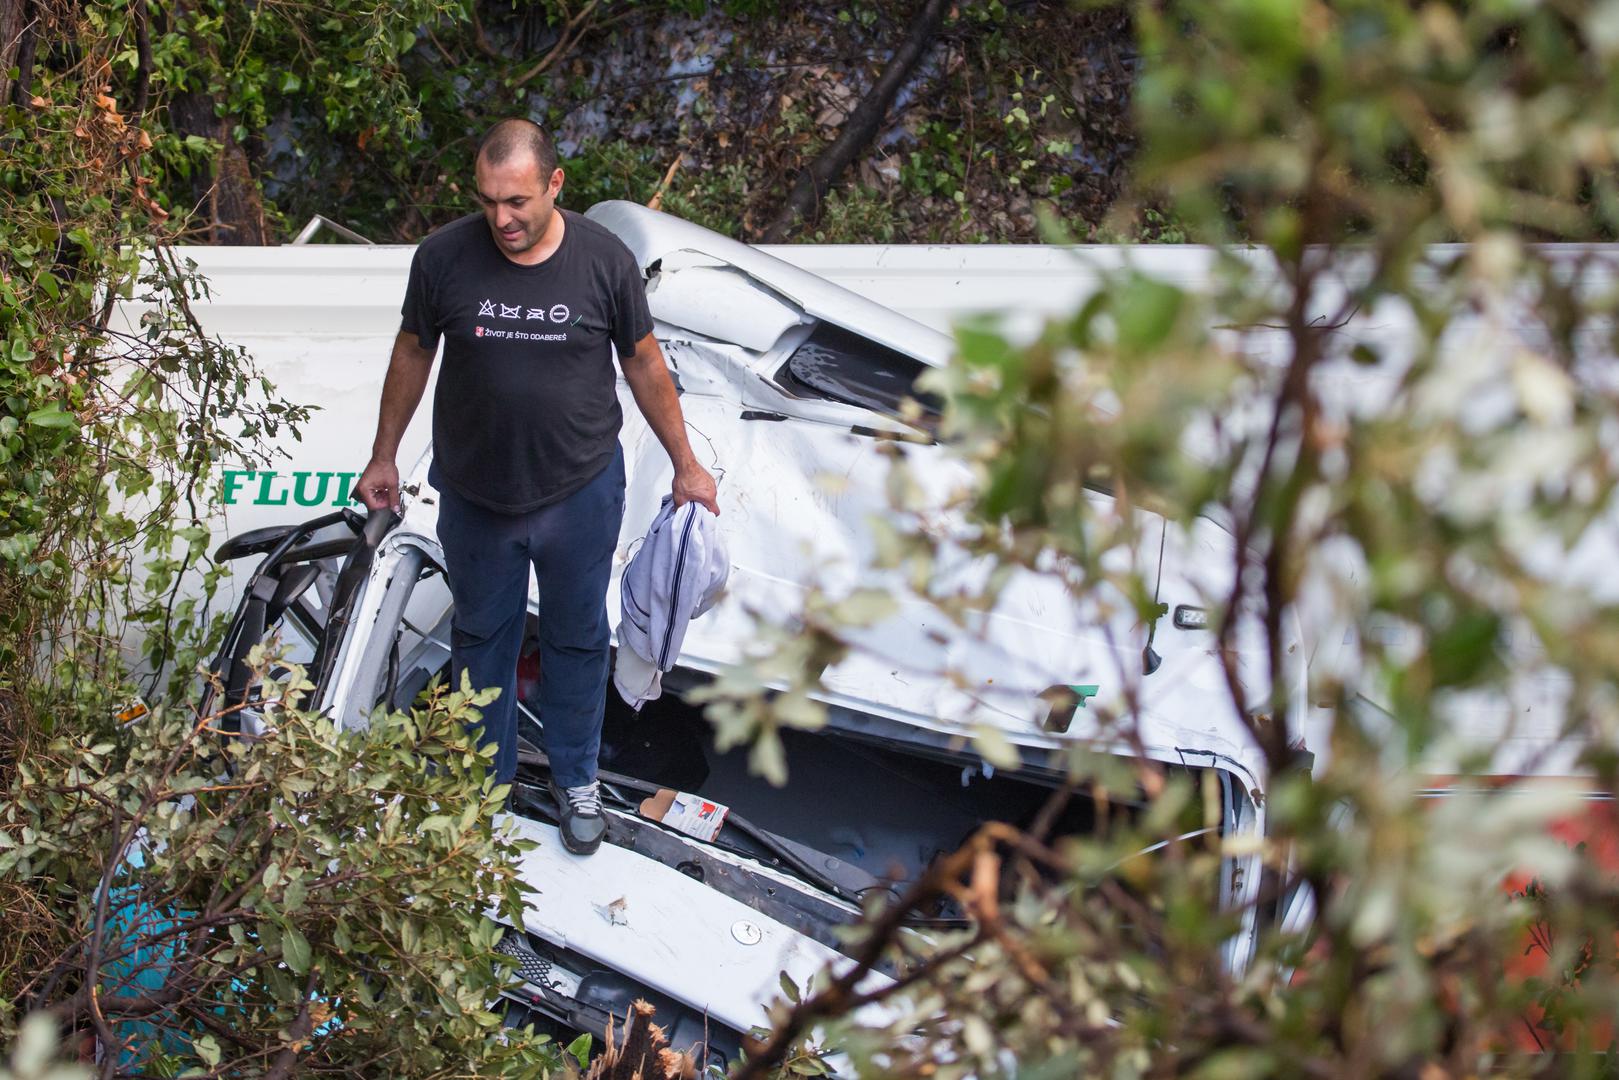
588	849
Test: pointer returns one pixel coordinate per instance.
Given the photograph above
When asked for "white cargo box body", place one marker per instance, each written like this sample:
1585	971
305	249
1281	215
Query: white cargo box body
320	320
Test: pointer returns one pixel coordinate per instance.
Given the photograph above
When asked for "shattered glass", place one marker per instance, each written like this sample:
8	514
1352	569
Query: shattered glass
843	366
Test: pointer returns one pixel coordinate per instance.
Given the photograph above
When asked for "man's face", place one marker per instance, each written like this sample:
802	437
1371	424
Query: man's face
516	202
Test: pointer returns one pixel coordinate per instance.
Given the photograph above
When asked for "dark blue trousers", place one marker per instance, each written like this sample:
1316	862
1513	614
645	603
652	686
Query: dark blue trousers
487	558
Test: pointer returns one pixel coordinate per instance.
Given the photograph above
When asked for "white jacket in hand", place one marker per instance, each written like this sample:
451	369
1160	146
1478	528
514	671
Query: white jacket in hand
677	574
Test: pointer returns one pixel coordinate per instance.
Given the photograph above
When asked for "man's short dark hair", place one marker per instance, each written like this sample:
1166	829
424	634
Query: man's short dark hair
516	135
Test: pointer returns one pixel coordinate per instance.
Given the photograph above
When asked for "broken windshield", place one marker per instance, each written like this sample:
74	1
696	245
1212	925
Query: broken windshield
840	365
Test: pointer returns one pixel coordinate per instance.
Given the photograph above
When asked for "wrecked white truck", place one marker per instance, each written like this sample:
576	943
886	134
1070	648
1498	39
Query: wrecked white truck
785	378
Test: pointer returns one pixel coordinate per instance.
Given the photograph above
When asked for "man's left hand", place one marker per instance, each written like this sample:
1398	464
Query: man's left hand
694	484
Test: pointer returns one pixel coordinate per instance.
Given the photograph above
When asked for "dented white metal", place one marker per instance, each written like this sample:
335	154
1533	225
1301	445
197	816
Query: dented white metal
662	928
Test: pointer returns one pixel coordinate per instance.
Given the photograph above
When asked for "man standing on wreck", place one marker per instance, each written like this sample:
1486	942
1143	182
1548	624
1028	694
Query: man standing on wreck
531	300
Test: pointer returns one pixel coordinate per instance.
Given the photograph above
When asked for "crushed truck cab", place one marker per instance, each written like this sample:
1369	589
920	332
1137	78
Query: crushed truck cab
785	379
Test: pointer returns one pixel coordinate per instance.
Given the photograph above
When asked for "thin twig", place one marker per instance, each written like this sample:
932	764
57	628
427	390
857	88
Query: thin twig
571	34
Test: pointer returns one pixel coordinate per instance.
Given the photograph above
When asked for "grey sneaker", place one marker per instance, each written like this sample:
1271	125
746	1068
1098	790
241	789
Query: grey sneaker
583	823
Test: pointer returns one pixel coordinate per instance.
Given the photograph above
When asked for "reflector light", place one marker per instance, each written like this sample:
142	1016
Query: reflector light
1188	617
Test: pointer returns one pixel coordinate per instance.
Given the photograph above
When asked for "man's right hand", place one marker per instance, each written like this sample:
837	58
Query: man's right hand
378	486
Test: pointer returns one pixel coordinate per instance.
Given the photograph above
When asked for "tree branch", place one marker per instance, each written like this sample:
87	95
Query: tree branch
835	999
480	39
143	65
860	128
19	37
297	1036
570	36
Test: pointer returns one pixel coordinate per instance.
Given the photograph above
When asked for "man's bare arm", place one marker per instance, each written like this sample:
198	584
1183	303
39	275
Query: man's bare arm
655	395
408	368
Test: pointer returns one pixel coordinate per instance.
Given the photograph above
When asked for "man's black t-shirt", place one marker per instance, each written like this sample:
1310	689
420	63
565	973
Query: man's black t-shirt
526	410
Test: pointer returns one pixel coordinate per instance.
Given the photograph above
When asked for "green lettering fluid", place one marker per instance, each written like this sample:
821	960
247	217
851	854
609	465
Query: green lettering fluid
316	499
234	478
344	481
266	478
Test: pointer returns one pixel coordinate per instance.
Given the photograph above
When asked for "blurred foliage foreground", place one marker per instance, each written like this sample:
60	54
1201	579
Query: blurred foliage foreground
1436	497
